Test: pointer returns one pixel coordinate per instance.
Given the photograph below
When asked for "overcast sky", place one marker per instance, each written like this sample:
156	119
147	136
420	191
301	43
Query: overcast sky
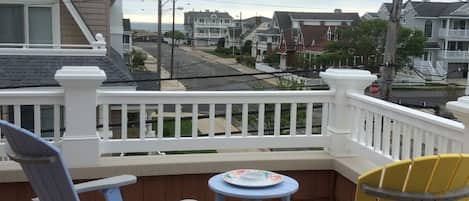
145	10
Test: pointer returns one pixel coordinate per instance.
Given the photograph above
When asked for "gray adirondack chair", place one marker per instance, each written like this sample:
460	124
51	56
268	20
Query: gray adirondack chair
43	165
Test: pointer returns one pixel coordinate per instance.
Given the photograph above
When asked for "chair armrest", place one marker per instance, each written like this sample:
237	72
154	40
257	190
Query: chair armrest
405	196
107	183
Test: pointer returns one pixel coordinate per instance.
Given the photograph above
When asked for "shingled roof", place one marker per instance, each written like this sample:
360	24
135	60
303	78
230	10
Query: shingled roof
325	16
438	9
20	71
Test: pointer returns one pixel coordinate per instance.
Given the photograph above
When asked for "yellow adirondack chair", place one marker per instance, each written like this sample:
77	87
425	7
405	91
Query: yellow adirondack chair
441	177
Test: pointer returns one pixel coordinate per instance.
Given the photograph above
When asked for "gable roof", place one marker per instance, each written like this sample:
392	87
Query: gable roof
19	71
437	9
388	6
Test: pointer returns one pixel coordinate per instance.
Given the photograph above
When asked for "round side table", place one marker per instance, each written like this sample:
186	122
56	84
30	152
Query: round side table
283	190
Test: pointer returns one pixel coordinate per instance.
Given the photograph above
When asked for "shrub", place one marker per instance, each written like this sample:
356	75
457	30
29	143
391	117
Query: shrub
247	60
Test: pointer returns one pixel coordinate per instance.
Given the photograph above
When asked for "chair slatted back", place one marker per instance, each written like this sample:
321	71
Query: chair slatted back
50	181
432	174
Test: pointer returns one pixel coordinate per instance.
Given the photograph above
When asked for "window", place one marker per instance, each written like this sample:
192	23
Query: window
443	23
201	20
40	25
428	28
12	23
27	24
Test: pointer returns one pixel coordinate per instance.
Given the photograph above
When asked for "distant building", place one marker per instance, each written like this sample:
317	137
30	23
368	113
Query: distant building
237	36
295	33
205	29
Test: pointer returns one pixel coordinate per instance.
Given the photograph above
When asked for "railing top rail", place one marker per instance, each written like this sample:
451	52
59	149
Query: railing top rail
45	45
409	115
31	97
206	97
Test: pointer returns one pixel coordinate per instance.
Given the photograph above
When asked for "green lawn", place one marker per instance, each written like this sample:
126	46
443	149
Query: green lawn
218	54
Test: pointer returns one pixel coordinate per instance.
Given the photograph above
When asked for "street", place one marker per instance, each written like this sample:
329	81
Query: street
186	65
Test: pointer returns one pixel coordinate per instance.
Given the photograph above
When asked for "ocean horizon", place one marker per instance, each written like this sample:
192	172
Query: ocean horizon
152	27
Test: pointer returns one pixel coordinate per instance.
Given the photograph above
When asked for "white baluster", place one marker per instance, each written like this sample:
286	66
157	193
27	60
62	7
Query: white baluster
261	122
429	144
406	134
324	118
37	120
387	136
442	145
293	110
277	115
17	115
211	123
177	124
143	119
160	120
417	147
195	120
124	121
57	123
369	129
228	115
309	119
396	140
377	132
244	119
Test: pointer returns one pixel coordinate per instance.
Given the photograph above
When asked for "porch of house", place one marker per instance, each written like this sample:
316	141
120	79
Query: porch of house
323	139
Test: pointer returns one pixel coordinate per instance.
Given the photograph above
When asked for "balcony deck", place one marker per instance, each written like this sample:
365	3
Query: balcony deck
351	132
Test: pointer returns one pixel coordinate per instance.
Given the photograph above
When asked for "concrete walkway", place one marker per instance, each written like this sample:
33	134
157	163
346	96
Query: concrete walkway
231	62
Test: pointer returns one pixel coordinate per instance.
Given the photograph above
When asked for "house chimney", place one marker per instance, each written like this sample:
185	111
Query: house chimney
338	10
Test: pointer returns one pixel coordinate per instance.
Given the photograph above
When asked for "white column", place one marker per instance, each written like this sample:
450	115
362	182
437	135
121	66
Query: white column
460	109
340	127
80	143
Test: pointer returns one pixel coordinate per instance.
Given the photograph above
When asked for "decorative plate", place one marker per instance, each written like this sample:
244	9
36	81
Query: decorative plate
252	178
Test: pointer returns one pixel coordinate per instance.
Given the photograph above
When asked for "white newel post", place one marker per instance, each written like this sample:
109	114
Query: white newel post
80	144
460	109
340	126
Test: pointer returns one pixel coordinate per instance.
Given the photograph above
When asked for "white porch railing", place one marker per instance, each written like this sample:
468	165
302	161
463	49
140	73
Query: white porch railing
209	35
454	54
343	121
455	33
379	124
196	104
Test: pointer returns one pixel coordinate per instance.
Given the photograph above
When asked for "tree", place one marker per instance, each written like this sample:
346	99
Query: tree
246	49
177	35
366	40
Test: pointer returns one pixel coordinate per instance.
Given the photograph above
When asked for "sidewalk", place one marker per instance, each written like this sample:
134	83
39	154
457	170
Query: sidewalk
170	85
231	62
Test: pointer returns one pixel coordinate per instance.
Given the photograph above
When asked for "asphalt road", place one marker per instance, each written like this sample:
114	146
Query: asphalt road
186	65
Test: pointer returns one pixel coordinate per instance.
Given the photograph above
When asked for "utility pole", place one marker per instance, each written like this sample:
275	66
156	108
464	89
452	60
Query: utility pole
172	39
390	49
158	62
241	32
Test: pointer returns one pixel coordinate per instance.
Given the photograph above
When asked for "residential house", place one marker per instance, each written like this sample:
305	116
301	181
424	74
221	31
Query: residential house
39	37
446	26
205	29
302	33
237	35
